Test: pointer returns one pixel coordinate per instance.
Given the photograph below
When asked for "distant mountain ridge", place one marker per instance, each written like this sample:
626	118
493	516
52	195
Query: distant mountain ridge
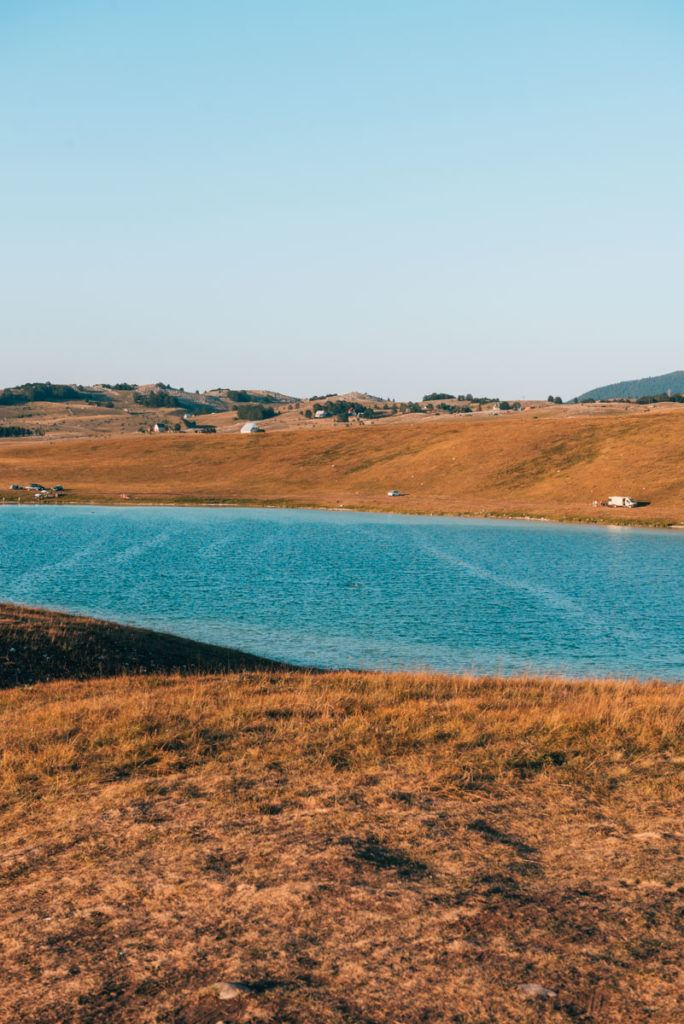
640	388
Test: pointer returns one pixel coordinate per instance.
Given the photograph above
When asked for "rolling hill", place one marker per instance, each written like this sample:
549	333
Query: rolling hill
554	465
643	387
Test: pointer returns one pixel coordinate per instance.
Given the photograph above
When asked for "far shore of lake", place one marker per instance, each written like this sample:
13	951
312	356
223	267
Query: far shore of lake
646	524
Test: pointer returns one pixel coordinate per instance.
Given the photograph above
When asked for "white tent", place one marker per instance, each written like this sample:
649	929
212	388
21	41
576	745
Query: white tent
250	428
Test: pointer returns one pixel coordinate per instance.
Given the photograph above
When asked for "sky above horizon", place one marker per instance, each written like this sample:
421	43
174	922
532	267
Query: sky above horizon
394	197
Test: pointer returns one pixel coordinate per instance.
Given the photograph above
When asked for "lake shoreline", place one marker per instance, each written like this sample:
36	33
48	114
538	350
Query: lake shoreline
114	648
304	507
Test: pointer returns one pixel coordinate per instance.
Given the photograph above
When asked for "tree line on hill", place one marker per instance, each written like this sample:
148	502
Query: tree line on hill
436	396
246	396
255	411
251	406
654	399
46	392
158	399
16	432
341	410
644	400
648	388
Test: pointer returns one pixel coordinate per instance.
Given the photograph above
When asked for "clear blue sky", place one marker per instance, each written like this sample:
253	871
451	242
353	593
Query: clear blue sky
311	196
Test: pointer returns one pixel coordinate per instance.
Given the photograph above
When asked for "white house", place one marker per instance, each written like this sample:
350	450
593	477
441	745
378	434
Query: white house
160	428
250	428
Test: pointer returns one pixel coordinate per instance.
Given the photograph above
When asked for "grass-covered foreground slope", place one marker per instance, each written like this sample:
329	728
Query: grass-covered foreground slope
553	465
38	645
341	848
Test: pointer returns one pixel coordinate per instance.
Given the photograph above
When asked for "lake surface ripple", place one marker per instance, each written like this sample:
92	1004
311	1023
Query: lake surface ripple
364	591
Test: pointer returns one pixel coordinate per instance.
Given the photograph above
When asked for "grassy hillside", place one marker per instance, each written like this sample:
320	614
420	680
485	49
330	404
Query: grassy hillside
340	848
39	645
551	465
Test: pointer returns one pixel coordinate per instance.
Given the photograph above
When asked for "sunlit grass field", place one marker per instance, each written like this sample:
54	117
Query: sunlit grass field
346	846
554	465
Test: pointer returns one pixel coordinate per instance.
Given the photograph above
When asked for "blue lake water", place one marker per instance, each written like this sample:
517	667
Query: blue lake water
361	590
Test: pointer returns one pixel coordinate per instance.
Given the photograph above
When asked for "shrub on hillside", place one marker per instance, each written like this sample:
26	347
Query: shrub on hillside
245	396
157	399
654	399
255	412
15	432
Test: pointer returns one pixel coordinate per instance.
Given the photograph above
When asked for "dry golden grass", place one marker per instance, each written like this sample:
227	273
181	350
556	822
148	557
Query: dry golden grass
349	847
553	465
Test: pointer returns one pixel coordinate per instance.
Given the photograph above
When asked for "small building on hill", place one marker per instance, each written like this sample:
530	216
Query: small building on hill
250	428
159	428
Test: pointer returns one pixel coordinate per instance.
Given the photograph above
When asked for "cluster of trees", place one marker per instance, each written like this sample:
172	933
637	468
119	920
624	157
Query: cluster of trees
38	392
162	398
245	396
158	399
120	387
647	399
15	432
48	392
255	411
341	410
437	396
446	407
643	400
557	400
